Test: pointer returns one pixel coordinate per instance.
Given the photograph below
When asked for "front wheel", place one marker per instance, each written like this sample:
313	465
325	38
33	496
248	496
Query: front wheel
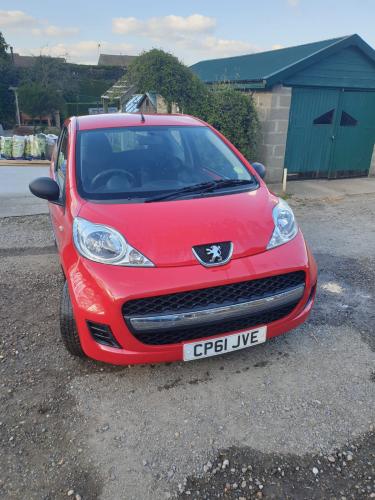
68	328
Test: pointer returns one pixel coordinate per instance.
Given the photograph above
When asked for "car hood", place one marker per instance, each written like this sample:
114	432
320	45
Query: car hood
166	231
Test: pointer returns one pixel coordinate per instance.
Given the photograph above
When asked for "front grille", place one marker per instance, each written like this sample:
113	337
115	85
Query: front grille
217	296
185	334
102	334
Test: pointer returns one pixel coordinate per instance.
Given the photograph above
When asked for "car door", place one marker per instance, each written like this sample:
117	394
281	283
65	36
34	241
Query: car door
59	169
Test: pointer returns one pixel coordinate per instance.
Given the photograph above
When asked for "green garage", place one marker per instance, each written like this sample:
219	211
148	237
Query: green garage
316	105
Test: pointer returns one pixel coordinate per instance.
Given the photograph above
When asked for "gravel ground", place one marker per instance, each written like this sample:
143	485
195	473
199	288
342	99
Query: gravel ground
293	418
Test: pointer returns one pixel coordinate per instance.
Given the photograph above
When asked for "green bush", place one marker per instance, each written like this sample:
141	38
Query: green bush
46	130
233	113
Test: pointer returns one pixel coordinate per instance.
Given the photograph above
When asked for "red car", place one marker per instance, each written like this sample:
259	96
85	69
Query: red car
171	245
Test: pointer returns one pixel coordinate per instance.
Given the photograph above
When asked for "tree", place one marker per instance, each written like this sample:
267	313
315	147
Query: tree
50	72
45	87
8	78
164	73
3	48
37	100
233	113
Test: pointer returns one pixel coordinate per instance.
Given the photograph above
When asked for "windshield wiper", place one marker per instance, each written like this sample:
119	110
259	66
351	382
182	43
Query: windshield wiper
230	182
201	188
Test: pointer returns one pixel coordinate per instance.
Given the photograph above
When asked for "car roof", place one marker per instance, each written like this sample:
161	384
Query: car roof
109	120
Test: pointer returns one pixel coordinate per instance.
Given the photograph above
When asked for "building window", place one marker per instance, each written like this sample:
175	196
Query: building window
325	119
347	120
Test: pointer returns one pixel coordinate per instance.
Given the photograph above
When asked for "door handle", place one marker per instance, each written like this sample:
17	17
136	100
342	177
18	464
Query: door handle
332	137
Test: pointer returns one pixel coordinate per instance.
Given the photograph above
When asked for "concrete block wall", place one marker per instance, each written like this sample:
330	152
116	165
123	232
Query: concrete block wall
273	111
372	165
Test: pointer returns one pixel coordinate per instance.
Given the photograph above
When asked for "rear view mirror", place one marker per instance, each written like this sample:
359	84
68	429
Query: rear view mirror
260	169
46	188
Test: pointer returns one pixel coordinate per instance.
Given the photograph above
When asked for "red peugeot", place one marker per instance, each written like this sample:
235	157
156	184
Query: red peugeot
171	245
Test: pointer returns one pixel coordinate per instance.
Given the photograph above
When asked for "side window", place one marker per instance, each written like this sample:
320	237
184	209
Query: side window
62	154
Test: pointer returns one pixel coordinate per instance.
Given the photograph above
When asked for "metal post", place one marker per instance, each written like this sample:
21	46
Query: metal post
105	100
18	116
285	176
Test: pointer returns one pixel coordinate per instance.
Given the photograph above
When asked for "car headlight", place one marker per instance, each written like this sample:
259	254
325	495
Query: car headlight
285	225
105	244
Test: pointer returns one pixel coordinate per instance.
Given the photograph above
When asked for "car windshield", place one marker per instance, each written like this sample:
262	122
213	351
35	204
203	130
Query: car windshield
142	163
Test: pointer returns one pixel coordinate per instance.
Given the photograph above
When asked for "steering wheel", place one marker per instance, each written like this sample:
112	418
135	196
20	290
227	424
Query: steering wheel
103	177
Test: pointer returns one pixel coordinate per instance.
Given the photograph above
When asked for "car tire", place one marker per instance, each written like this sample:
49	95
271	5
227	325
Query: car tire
68	328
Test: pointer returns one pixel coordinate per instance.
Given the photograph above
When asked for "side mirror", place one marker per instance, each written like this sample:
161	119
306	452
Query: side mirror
260	169
46	188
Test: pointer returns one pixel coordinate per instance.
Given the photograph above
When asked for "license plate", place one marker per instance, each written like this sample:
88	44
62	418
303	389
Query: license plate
216	346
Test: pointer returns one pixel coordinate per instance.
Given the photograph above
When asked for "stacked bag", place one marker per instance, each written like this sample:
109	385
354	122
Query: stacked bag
18	147
29	147
51	141
6	147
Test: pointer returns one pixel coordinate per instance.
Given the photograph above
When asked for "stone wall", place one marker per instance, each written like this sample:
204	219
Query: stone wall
273	111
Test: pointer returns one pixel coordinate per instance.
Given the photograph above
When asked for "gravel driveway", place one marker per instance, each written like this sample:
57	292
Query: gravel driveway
293	418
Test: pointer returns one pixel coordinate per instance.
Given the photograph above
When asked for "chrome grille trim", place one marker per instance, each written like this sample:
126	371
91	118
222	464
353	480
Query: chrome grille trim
199	317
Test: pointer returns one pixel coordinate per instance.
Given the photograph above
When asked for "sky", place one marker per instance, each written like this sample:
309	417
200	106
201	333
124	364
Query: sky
192	30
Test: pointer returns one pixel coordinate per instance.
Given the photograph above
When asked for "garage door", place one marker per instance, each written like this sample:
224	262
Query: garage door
331	133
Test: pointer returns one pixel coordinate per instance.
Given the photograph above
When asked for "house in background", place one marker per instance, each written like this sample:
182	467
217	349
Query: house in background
29	61
149	103
51	119
115	60
39	120
315	102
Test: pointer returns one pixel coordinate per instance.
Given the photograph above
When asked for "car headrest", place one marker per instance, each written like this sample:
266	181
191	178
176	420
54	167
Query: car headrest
96	148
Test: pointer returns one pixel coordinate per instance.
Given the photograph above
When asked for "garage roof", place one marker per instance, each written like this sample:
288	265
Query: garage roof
265	69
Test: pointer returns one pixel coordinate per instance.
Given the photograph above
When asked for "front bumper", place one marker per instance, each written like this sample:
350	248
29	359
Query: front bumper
99	291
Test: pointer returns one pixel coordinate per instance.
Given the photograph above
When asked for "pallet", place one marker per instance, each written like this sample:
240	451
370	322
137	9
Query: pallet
24	163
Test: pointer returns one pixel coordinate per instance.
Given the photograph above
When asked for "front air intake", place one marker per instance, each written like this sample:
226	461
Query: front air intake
102	334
